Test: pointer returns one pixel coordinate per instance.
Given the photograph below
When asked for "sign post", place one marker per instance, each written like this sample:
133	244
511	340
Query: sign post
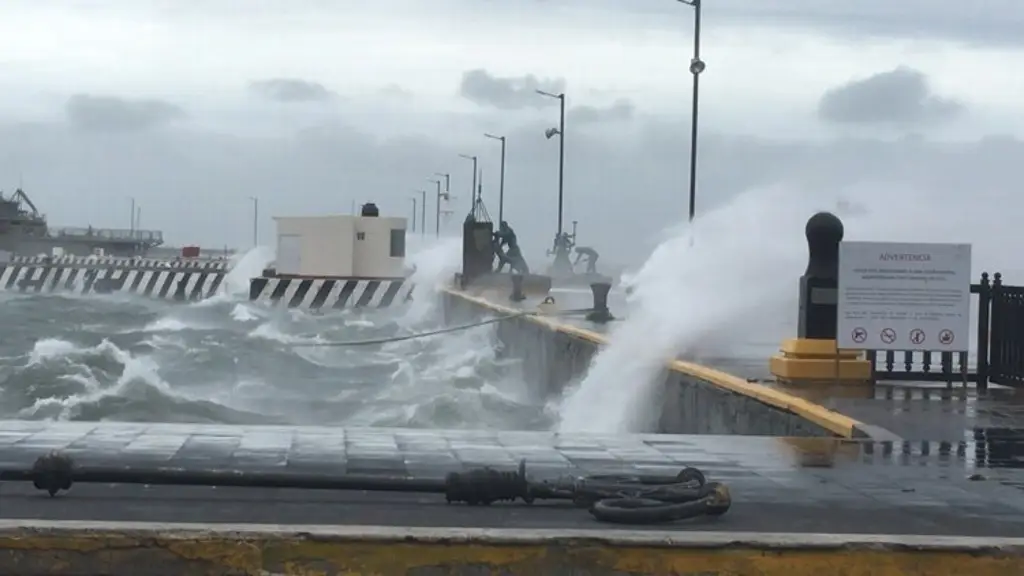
904	296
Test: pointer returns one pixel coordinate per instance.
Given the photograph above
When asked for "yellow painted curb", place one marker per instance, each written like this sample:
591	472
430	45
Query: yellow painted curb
833	421
128	548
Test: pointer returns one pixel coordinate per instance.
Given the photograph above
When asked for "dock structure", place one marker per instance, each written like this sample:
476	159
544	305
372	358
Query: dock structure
850	476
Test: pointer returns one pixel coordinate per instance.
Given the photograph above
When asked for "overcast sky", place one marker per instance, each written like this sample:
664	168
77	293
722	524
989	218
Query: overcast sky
192	106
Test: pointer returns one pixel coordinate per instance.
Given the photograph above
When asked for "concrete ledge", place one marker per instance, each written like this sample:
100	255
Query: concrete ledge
811	419
127	548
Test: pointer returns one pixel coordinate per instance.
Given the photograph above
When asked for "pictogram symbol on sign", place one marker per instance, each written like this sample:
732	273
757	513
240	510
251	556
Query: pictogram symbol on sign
888	335
917	336
946	337
859	335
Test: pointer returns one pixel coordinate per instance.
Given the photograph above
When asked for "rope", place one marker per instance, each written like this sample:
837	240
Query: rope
448	330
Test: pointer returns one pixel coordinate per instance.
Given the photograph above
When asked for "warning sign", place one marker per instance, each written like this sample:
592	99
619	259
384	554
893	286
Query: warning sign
904	296
859	335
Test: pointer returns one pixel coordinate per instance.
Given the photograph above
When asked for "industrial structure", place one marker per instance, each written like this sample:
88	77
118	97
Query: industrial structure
24	231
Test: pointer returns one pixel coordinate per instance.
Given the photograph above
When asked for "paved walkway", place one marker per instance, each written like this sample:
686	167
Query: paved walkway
969	488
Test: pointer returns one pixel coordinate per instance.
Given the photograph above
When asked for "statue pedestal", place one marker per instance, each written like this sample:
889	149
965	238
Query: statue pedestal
807	361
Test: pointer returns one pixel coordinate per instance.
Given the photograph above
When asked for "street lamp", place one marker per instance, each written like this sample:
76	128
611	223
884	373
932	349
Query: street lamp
131	225
696	67
560	132
437	213
472	194
423	212
561	264
501	184
255	221
413	198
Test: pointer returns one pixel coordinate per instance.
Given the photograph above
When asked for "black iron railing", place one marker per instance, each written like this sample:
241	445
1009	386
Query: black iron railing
1000	339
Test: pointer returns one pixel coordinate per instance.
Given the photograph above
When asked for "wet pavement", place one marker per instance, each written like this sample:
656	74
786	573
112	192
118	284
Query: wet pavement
972	487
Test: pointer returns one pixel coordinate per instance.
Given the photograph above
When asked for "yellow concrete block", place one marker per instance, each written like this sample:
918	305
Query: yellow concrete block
808	348
804	361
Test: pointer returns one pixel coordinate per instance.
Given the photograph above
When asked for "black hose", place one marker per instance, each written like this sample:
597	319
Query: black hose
623	499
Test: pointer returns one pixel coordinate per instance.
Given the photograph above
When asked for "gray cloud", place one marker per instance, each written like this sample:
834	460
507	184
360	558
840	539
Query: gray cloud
194	184
899	97
508	93
620	110
112	114
995	22
292	90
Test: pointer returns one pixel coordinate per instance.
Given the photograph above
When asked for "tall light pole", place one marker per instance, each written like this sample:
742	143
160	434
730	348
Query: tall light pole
131	226
437	205
560	132
501	183
696	67
472	195
255	221
413	214
423	212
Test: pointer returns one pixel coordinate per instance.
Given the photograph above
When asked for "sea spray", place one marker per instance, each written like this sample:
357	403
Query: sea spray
433	267
687	286
732	280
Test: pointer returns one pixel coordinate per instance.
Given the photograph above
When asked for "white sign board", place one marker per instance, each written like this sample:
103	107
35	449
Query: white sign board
903	296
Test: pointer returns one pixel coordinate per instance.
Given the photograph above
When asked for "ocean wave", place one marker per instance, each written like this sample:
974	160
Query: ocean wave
229	360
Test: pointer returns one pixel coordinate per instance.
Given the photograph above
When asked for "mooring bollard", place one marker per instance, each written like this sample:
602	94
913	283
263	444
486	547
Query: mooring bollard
600	313
517	288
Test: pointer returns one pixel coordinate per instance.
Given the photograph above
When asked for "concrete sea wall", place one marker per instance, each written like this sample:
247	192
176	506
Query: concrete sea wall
695	399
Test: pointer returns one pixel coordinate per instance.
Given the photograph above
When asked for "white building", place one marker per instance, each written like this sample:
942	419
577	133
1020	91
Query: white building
343	246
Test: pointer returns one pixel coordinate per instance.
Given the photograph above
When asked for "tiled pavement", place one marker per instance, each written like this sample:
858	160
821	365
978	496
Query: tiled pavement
971	487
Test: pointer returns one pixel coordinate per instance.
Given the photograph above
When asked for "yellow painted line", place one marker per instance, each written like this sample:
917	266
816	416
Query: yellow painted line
129	548
835	422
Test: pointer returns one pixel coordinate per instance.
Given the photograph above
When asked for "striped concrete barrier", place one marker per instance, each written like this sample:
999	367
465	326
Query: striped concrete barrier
165	282
85	261
317	293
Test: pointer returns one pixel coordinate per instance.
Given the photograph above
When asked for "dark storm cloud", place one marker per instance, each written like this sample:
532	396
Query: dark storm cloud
508	93
112	114
291	90
194	185
899	97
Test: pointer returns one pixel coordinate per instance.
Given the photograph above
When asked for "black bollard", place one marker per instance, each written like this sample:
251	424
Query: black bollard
517	288
820	283
600	313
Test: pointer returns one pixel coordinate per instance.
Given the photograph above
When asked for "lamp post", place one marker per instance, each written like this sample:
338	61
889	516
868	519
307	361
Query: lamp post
437	204
560	132
131	225
472	194
423	212
413	198
447	198
696	67
255	221
501	183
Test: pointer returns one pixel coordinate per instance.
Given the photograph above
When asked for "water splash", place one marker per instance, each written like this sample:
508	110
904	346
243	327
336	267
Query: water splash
731	279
